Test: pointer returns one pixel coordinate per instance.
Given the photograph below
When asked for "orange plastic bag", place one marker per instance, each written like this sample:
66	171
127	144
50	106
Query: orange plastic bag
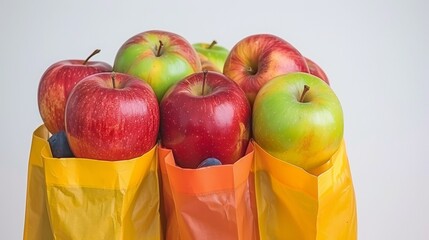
295	204
208	203
75	198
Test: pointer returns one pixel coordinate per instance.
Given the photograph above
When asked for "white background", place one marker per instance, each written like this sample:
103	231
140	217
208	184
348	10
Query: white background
374	52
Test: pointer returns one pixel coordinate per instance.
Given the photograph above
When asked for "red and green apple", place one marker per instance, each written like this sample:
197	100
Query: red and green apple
257	59
298	119
158	57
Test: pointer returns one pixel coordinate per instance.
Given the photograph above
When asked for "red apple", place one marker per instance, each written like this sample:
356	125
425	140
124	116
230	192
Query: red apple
316	70
256	59
206	115
158	57
111	117
56	84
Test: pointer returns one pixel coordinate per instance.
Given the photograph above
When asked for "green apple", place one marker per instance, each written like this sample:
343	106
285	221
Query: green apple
158	57
298	119
212	56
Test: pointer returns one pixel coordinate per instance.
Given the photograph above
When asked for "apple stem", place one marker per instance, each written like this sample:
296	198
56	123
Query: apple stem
204	81
306	88
90	56
212	44
113	80
158	54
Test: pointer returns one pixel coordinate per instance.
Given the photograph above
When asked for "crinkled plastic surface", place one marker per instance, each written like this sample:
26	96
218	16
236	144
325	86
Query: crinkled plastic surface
37	225
295	204
258	197
208	203
74	198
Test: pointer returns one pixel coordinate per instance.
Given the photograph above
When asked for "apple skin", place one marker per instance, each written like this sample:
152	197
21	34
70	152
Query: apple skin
198	126
316	70
111	123
257	59
206	64
306	133
212	56
56	84
138	56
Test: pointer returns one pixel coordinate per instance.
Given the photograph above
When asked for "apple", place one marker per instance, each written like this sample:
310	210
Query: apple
298	119
212	56
206	115
158	57
56	84
316	70
257	59
111	116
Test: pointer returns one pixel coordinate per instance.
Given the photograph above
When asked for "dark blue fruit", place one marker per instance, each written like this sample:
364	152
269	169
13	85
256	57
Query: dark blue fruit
59	145
209	162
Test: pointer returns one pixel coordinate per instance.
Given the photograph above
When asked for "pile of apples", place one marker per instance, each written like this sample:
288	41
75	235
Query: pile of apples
202	101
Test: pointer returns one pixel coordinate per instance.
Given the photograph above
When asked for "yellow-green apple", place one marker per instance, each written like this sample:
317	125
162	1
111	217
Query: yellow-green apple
212	56
206	115
316	70
111	116
257	59
158	57
56	84
298	119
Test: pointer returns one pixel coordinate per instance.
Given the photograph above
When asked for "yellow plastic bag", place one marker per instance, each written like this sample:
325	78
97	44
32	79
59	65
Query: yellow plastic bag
37	224
295	204
74	198
208	203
